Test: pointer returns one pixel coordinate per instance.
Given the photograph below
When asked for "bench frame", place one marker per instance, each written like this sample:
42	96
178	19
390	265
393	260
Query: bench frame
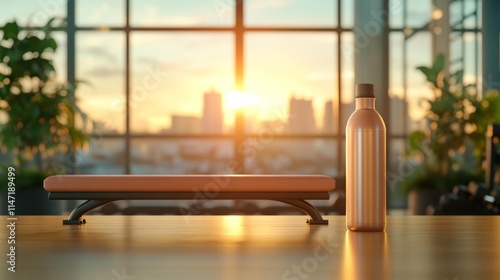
97	199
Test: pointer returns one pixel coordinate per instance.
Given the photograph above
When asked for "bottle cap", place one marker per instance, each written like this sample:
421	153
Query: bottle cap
364	90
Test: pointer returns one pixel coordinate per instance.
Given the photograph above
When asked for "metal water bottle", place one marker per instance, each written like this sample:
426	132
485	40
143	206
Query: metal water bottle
365	164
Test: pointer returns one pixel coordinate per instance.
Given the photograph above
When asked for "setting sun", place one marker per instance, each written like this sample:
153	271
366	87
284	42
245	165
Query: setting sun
237	99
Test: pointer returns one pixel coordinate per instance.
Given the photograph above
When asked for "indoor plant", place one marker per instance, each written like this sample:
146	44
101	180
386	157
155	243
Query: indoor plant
451	148
41	113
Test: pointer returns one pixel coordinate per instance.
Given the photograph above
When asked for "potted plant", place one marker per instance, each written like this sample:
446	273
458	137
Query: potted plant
40	115
451	148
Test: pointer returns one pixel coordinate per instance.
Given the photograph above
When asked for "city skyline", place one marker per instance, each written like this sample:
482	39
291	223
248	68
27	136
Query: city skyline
180	65
300	117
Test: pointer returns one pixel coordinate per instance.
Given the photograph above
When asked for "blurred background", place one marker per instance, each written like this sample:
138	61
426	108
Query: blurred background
255	87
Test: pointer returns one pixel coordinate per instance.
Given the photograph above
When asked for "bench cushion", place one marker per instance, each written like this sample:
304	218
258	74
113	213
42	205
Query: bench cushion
189	183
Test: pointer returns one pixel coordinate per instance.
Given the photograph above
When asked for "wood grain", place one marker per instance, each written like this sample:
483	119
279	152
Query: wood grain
252	247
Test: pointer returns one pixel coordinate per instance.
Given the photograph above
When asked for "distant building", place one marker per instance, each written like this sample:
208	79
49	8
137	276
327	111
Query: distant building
301	116
398	116
347	110
212	119
328	119
184	124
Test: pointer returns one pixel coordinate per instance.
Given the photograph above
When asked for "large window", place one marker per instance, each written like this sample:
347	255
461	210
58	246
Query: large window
187	87
190	86
414	39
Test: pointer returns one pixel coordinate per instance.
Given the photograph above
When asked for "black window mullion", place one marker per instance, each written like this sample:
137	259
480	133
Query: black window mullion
127	87
239	125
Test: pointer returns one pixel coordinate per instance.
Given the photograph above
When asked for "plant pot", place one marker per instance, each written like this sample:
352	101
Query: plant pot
32	201
418	200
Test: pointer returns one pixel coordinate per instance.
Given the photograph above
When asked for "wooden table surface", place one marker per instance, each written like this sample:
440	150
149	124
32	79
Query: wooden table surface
252	247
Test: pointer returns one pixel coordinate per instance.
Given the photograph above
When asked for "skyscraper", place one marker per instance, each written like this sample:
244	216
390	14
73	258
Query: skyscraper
301	116
347	110
211	121
328	121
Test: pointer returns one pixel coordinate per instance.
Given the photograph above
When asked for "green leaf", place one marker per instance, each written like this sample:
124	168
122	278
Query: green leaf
48	26
415	140
50	43
429	74
10	31
14	55
49	22
3	51
458	76
41	111
33	44
438	65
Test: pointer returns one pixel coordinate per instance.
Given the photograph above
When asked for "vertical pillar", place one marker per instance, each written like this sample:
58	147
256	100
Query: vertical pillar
71	78
70	45
127	88
491	41
70	73
371	54
440	29
239	127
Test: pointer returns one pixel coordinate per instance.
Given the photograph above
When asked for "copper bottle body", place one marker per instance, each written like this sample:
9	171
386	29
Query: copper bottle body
365	168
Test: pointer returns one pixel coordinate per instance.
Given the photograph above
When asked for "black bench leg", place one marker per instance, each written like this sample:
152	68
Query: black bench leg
305	206
77	213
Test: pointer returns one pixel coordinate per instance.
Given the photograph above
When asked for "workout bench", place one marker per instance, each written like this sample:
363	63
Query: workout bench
98	190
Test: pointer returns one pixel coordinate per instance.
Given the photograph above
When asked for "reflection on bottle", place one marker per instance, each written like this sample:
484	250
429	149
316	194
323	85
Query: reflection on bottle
365	256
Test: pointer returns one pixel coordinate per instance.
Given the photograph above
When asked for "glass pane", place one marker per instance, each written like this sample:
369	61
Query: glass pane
100	65
479	59
172	77
105	156
291	13
396	44
58	60
3	119
342	154
396	13
60	57
291	84
397	169
31	12
471	62
463	13
418	13
398	114
293	156
456	49
419	54
182	13
347	76
479	13
182	156
347	109
465	53
3	114
456	14
347	13
100	13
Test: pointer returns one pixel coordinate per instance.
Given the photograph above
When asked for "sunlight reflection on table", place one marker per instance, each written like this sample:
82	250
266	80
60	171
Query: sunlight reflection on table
365	256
